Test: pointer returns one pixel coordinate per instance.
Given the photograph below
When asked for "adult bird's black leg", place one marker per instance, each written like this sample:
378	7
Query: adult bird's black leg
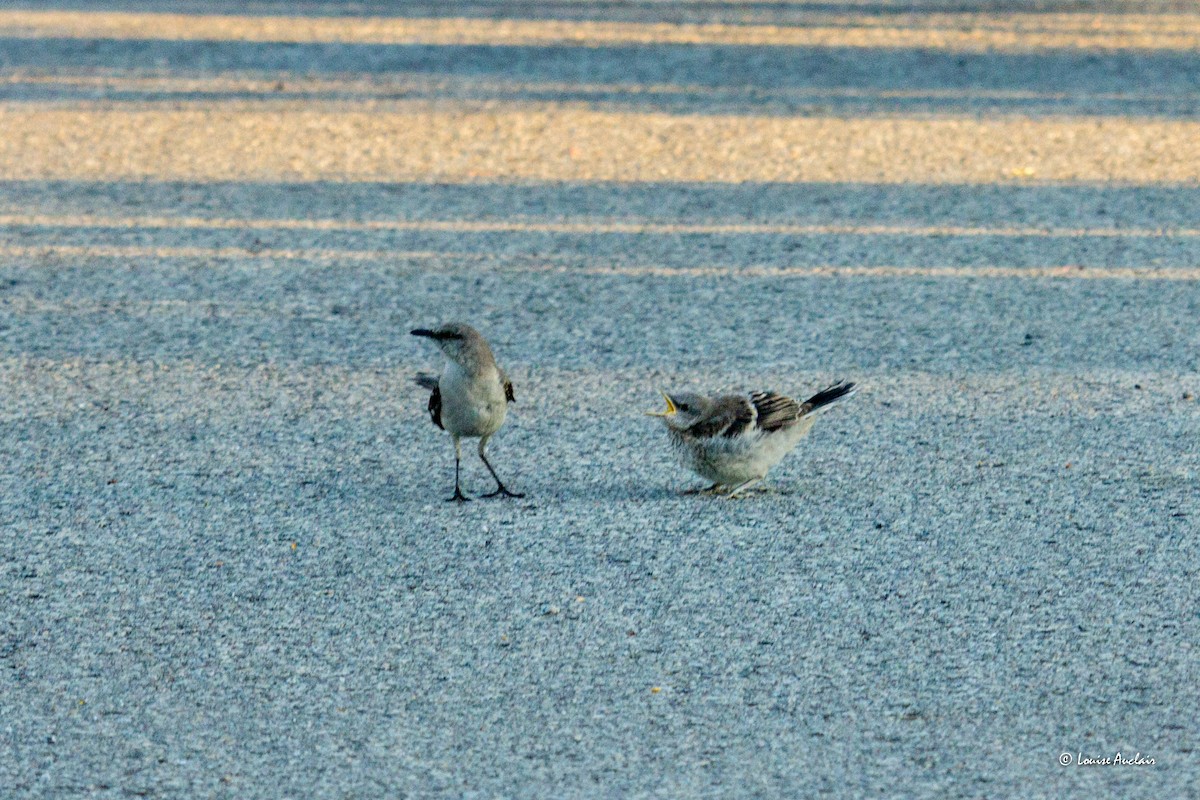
500	488
458	497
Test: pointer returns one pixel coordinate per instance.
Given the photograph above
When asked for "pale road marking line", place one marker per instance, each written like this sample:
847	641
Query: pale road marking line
293	84
956	32
221	308
266	254
581	227
1070	272
550	264
555	144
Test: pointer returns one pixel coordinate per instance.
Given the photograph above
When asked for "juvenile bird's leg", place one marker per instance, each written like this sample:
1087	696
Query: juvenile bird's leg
458	497
734	491
714	489
500	488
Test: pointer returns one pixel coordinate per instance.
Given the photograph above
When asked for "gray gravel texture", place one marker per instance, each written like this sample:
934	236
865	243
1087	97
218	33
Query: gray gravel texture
227	569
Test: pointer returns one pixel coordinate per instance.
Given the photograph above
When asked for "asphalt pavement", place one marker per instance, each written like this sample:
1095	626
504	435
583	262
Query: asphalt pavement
227	566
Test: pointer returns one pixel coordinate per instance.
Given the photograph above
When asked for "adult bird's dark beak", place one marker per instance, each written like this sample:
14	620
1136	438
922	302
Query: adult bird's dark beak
437	335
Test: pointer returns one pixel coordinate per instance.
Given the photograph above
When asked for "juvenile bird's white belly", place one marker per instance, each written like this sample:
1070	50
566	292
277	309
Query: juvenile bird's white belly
730	461
471	407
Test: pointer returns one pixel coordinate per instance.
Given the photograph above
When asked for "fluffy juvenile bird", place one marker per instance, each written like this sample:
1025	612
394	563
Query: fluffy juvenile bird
471	396
735	439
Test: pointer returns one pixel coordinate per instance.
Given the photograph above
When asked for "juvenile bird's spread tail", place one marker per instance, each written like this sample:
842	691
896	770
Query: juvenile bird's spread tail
827	397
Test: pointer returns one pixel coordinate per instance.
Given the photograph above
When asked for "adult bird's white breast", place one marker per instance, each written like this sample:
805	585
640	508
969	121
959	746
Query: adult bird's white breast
472	405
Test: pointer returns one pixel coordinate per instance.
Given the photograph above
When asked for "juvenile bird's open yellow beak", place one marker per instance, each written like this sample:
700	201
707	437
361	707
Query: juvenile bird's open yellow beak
670	408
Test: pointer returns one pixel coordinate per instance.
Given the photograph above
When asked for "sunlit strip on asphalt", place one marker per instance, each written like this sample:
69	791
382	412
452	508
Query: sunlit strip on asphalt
955	32
412	143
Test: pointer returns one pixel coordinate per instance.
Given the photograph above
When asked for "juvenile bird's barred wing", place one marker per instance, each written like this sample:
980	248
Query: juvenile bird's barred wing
775	411
508	390
426	381
729	417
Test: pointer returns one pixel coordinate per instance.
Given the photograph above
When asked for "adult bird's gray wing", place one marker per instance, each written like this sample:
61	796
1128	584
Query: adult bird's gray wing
426	381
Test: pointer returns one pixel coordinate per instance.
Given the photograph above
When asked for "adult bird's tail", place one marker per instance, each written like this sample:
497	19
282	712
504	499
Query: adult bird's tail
427	381
827	397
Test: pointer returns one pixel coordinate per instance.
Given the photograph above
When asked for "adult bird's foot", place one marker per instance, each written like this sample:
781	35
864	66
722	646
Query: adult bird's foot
459	497
502	492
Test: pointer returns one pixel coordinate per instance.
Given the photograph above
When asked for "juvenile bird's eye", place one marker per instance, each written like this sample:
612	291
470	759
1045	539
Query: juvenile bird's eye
684	408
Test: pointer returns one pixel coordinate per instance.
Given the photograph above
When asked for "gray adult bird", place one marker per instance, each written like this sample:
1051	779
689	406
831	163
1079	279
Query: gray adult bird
735	439
471	396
